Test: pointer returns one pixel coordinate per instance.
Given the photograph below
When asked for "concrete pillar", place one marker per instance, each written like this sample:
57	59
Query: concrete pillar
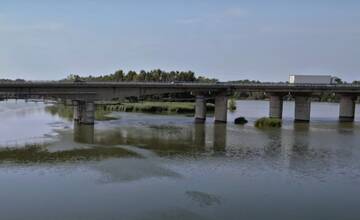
87	113
77	111
200	109
84	112
302	107
221	104
276	106
347	108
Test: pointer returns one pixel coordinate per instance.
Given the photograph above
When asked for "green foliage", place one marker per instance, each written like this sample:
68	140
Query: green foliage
232	104
157	107
268	123
67	112
144	76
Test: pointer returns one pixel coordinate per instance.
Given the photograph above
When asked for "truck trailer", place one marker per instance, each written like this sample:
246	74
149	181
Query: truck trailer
311	79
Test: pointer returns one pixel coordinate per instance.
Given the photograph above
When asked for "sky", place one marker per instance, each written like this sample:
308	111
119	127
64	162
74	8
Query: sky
263	40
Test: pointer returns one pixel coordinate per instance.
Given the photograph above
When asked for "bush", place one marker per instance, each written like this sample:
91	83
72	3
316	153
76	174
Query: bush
232	104
268	123
240	121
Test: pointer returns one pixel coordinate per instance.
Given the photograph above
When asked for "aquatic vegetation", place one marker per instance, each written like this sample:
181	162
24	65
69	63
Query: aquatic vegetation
165	127
232	104
157	107
39	154
67	112
268	123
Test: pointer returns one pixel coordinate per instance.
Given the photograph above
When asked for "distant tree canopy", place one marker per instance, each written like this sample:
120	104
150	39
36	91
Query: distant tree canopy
144	76
11	80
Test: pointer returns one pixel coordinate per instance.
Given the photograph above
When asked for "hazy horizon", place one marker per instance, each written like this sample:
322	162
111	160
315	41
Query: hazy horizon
227	40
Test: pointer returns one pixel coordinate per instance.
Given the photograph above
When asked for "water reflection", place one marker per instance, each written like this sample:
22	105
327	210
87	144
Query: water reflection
164	167
219	137
311	155
200	135
301	137
84	133
273	146
347	128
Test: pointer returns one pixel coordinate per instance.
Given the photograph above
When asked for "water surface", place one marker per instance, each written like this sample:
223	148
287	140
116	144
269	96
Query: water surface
144	166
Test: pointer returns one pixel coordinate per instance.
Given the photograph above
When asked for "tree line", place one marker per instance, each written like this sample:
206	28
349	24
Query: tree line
144	76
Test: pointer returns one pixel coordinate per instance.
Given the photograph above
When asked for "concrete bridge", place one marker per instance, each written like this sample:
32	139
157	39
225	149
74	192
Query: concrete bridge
85	94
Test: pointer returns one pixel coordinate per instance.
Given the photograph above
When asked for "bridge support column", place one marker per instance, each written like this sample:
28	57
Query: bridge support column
276	105
347	108
302	107
77	112
221	104
84	112
200	109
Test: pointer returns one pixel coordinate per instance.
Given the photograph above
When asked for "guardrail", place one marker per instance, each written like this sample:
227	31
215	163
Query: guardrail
179	84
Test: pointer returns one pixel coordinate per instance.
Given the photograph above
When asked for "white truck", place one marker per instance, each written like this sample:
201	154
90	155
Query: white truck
311	79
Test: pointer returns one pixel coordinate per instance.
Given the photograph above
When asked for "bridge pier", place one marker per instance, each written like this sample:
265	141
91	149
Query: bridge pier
276	105
347	108
200	109
221	107
302	107
84	112
77	112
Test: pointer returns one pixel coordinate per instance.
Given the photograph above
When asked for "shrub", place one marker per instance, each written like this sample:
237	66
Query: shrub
232	104
268	123
240	121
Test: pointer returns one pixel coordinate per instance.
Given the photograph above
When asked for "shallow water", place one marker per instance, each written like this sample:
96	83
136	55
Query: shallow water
144	166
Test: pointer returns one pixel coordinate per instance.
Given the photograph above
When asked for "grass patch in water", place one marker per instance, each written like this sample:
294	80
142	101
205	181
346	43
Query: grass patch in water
67	112
268	123
170	128
157	107
39	154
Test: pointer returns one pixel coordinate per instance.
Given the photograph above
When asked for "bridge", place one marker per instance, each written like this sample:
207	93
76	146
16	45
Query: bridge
85	94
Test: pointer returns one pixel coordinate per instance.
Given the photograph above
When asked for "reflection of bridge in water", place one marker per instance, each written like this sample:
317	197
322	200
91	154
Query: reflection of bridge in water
161	138
297	147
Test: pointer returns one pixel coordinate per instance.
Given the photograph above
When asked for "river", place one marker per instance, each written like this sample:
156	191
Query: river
145	166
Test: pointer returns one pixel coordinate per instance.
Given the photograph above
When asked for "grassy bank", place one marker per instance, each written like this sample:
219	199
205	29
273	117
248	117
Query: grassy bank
156	107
